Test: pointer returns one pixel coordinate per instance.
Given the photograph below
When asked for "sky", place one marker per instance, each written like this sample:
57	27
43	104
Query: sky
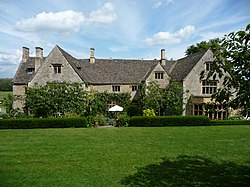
127	29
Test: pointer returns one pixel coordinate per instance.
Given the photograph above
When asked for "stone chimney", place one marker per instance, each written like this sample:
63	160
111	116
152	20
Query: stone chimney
92	56
39	58
25	55
163	57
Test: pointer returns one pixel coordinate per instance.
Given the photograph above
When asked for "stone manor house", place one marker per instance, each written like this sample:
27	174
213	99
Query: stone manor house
121	75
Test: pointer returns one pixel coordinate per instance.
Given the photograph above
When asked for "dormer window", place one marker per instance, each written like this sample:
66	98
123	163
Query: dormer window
30	70
135	88
57	68
158	75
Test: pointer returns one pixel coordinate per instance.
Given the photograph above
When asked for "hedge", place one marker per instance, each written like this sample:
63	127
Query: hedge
160	121
230	122
31	123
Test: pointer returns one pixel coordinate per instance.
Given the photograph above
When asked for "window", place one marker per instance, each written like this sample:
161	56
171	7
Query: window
116	88
159	75
209	87
209	66
111	104
57	68
198	109
30	70
135	88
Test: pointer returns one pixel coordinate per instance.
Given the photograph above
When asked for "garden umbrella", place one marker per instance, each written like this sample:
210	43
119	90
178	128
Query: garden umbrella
116	108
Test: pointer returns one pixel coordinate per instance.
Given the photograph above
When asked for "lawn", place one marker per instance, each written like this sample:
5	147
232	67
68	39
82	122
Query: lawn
166	156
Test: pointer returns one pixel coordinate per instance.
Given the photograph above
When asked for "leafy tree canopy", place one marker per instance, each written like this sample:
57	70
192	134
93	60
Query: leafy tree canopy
5	84
232	64
56	98
212	44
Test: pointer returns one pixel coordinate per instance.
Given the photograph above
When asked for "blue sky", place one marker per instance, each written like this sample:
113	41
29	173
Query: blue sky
131	29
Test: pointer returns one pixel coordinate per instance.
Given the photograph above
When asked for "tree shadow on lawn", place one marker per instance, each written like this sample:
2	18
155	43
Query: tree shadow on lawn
190	171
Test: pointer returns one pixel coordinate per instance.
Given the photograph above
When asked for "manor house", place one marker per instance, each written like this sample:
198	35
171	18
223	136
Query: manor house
121	75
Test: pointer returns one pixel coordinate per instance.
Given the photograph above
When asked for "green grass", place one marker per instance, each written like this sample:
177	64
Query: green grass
213	156
4	94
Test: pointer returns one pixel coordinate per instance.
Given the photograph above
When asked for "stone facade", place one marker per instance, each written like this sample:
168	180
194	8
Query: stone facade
114	75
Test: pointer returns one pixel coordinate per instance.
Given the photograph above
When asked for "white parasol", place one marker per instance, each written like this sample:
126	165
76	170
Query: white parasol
116	108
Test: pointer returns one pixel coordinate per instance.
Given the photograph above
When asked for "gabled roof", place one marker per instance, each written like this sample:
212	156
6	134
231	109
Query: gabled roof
115	71
21	76
184	65
111	71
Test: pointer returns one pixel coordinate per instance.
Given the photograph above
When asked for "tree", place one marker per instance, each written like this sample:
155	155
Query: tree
212	44
173	98
5	84
167	99
56	98
232	64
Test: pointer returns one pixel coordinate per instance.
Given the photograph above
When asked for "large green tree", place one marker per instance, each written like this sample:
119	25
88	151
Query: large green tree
56	98
163	99
232	64
212	44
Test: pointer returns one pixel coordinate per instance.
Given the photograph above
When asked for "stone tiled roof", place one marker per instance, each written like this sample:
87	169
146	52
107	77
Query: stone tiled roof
22	76
184	65
112	71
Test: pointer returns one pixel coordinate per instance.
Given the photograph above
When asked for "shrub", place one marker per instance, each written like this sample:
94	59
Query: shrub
123	120
230	122
144	121
149	112
31	123
134	110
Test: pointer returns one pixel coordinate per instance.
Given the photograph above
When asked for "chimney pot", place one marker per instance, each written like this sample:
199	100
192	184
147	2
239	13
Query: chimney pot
25	55
92	55
163	57
38	59
39	52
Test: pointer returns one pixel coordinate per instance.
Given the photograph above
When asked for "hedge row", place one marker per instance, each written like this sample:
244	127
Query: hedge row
143	121
31	123
230	122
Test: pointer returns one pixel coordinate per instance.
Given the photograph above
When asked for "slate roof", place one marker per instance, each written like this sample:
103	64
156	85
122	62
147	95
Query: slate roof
21	76
115	71
111	71
184	65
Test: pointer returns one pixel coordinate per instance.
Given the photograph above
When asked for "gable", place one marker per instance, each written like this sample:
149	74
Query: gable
55	68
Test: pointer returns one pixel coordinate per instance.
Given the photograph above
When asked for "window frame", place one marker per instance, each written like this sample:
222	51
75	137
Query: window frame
57	68
116	88
159	75
209	87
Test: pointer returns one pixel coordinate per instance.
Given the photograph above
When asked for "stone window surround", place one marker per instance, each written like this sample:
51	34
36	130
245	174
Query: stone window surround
209	87
159	74
57	68
116	88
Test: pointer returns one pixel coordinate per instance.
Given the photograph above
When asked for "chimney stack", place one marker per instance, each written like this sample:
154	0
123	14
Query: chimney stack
92	55
25	55
163	57
39	58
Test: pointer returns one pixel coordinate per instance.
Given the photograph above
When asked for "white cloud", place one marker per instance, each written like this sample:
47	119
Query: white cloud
161	3
65	21
162	38
10	59
68	21
104	15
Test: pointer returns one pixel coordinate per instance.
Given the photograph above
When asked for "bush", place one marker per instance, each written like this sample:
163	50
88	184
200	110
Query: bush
123	120
31	123
230	122
149	112
144	121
